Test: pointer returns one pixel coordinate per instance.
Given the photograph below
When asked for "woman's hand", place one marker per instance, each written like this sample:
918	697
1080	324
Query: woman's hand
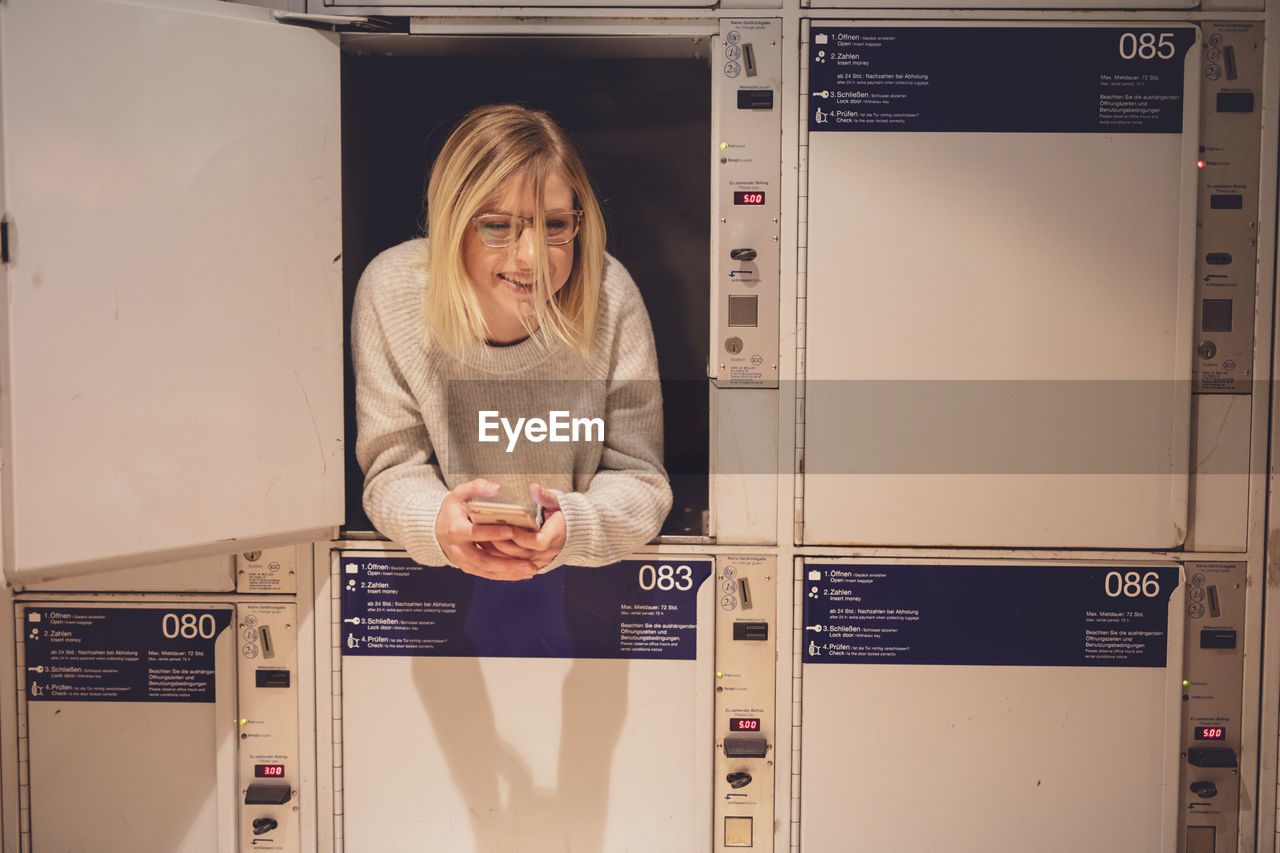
539	547
472	547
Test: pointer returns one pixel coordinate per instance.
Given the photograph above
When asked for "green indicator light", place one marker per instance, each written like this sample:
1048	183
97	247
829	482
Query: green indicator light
719	675
1186	683
724	146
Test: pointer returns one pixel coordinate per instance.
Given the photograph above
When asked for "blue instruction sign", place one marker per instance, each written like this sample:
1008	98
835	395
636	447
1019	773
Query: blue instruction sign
640	609
121	654
988	615
986	79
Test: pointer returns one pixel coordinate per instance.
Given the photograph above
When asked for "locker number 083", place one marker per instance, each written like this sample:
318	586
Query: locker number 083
666	578
1147	46
1132	585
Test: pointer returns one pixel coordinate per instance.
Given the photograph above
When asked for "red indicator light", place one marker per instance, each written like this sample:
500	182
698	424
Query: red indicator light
1199	164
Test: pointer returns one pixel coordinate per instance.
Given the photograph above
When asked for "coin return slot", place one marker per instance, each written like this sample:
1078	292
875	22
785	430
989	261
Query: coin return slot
1215	315
1202	839
744	311
737	832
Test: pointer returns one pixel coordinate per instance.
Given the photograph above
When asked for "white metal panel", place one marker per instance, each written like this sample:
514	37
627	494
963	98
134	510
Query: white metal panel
1219	494
206	574
998	348
174	339
536	756
745	451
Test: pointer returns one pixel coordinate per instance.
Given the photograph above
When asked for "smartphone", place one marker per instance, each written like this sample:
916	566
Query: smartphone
494	513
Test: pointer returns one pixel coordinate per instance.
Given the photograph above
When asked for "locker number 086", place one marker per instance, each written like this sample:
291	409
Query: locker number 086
1147	46
1132	585
666	577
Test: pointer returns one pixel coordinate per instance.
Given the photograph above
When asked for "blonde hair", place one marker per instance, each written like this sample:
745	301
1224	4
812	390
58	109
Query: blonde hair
492	146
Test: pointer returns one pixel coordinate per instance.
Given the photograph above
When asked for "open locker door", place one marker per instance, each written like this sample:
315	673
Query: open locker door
172	359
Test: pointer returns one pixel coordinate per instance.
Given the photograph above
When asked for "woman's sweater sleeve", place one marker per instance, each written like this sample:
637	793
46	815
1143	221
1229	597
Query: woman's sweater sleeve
403	488
629	496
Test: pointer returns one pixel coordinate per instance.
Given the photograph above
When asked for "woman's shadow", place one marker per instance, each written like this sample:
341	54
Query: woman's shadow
523	676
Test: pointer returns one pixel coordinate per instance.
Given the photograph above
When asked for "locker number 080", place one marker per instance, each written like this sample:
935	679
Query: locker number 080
188	626
1132	585
666	577
1147	46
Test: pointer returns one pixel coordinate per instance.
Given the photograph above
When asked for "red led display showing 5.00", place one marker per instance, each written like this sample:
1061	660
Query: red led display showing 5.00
748	198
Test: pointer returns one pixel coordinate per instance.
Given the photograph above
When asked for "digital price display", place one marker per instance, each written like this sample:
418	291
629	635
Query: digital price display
748	198
268	771
1210	733
744	724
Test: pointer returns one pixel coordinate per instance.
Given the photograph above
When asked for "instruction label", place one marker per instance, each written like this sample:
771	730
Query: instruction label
643	609
1013	79
988	615
121	654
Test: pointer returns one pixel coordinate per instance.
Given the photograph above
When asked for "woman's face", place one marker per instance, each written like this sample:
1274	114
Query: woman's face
503	278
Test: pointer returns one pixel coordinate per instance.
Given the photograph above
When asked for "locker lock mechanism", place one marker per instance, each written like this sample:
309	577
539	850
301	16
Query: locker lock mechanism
743	254
1204	790
263	825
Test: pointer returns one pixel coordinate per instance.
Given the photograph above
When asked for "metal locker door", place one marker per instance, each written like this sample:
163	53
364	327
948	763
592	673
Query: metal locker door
130	713
568	712
172	358
1000	276
966	707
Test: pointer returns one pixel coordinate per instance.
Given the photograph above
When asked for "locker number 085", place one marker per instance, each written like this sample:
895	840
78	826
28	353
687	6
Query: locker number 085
1132	585
666	578
1147	46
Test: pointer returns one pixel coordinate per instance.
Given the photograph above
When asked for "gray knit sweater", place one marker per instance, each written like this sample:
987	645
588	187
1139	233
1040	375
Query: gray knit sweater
421	413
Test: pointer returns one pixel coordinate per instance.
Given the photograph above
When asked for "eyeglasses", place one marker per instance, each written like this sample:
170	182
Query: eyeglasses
501	230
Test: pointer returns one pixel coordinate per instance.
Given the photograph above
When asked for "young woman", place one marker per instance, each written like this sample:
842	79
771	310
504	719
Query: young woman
508	358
